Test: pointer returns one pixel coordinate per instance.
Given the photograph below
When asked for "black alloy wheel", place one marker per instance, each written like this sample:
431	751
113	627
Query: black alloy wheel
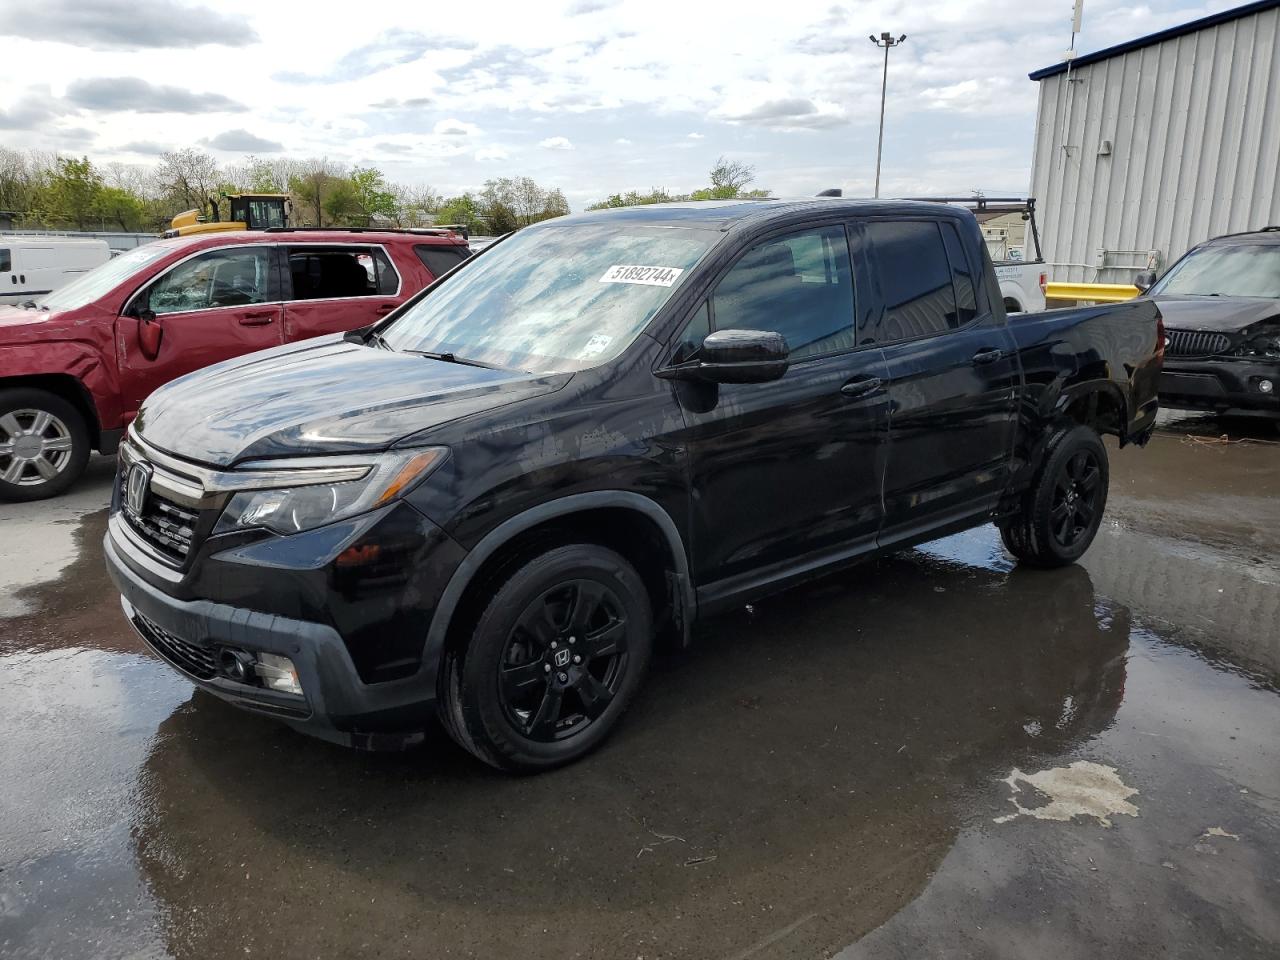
565	659
1059	515
1075	498
556	656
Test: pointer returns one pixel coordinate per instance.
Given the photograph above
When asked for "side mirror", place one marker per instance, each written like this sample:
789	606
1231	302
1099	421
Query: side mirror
150	333
736	356
1144	280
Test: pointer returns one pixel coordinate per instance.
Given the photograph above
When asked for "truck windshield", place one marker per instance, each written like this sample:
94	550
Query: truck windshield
1225	270
103	279
554	298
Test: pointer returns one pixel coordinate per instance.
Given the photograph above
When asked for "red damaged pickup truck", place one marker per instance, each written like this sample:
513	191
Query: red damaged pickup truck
76	366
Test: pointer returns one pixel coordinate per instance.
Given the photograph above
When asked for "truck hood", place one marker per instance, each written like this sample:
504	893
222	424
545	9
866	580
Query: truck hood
19	325
1219	314
319	397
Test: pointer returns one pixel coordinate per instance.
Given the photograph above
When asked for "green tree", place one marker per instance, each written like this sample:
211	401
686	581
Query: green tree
341	205
311	183
120	208
464	211
372	197
188	178
70	194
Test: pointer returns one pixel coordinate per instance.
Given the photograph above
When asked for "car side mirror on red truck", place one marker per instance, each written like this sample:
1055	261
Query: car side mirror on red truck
150	333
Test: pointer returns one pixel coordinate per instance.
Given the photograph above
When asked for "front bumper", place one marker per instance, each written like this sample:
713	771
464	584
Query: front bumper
336	703
1220	384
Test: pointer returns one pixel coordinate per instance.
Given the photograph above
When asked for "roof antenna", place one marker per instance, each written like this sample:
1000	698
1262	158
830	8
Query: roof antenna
831	192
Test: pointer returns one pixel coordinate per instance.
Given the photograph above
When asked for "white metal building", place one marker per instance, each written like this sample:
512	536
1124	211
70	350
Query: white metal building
1168	140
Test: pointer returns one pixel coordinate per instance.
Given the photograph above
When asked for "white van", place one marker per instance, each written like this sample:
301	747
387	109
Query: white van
31	267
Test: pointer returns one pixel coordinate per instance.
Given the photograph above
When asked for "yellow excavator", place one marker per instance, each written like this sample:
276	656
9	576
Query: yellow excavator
249	211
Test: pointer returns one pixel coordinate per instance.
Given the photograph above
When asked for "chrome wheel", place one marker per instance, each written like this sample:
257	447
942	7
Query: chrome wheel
35	447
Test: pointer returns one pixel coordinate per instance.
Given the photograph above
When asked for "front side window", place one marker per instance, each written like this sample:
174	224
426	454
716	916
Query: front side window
339	272
554	297
915	280
265	214
220	278
800	286
1225	270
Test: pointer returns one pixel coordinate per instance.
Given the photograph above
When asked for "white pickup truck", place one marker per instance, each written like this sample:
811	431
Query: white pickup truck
1013	240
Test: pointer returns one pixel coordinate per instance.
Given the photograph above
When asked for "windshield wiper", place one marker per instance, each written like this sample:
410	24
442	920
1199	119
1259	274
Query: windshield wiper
453	358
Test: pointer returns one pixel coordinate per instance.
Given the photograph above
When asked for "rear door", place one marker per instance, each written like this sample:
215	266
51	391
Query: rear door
333	288
952	376
785	473
210	307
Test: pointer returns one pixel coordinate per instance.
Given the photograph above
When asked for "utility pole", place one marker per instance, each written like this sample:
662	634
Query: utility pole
885	40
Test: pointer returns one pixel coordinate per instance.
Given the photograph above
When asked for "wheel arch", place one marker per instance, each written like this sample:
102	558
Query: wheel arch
68	388
662	560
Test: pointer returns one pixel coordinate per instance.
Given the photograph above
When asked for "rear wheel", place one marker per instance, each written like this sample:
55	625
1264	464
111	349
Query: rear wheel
555	659
1062	511
44	444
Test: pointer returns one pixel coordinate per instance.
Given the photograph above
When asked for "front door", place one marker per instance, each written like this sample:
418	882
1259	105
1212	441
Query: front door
210	307
952	378
787	473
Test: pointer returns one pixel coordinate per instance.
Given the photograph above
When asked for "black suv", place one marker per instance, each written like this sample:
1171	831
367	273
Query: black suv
1221	301
491	506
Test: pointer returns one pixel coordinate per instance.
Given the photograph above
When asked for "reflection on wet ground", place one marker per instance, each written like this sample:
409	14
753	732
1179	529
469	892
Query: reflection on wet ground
821	775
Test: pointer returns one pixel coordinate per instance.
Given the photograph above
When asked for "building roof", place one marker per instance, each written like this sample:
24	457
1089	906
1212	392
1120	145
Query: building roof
1225	16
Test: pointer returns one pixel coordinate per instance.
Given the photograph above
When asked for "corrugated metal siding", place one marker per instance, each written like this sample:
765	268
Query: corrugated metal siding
1195	129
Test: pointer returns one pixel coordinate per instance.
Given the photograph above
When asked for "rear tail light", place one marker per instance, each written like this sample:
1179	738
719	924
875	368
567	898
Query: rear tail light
1044	281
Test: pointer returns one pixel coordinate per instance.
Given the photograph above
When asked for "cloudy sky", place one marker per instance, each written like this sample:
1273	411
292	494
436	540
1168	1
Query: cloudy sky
592	96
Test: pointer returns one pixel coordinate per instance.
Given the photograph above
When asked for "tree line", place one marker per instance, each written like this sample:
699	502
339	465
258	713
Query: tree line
40	190
49	191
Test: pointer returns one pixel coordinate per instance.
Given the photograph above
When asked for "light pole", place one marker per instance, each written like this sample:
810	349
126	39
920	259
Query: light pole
885	40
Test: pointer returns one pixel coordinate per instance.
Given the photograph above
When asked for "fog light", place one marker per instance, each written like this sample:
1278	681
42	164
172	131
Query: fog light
1266	386
236	665
278	673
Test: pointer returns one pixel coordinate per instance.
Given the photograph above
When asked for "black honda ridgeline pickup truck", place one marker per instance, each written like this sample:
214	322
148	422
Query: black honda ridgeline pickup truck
492	505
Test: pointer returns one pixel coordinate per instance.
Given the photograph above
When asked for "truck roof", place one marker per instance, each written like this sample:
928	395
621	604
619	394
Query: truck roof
723	214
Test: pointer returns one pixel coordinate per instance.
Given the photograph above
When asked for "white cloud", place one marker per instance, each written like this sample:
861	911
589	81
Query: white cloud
455	128
696	136
623	142
490	153
556	143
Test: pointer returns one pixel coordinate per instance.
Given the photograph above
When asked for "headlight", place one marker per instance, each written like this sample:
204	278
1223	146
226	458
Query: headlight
305	502
1263	342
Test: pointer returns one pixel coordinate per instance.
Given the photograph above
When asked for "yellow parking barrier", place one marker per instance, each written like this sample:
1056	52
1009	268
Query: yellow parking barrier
1095	292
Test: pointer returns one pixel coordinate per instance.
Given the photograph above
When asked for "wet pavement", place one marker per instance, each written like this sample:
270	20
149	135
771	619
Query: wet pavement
935	755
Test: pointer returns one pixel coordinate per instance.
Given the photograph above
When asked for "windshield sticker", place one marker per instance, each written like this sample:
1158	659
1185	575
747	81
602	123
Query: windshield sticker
596	346
649	276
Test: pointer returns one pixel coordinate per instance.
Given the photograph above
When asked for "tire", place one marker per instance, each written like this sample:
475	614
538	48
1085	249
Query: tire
44	444
1060	515
521	705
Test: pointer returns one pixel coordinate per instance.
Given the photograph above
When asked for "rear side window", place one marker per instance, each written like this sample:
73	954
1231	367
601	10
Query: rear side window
6	261
800	286
962	275
440	260
332	273
915	280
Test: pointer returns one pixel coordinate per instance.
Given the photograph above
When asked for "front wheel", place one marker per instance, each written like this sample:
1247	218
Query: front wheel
1060	514
557	655
44	444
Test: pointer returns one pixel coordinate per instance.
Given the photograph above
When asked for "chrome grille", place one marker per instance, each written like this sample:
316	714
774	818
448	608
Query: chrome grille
191	658
1195	343
167	526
